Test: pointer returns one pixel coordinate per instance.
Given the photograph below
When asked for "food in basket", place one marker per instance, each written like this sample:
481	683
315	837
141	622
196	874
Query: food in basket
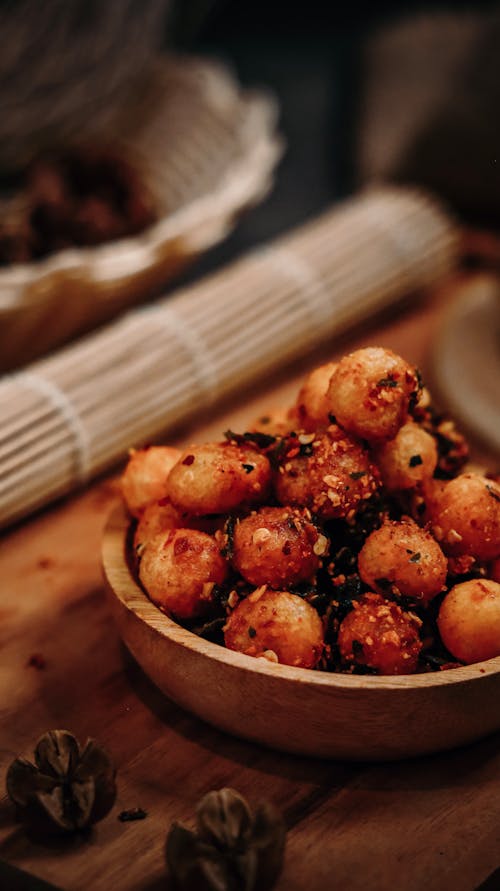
73	199
345	534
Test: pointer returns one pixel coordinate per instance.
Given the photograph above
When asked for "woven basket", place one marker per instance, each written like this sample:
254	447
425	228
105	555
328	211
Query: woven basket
206	150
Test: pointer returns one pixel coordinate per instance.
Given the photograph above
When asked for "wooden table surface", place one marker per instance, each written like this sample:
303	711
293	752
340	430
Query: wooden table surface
431	823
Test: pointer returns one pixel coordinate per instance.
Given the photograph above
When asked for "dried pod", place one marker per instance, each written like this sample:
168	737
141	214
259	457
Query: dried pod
68	787
231	849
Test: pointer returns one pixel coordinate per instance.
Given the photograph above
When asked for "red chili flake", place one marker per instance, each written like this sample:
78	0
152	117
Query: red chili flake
189	459
293	452
36	661
45	562
181	545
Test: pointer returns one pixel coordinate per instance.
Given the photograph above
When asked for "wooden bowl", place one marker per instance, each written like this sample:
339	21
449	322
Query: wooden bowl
293	709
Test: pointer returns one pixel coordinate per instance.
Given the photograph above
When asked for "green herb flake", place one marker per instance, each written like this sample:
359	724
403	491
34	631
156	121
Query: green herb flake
251	631
387	382
415	460
248	467
358	474
416	557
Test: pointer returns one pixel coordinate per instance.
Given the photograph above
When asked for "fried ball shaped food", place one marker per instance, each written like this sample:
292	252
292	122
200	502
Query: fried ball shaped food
407	460
378	634
277	546
160	516
404	559
144	479
308	511
312	403
332	481
179	570
370	393
217	478
469	620
465	516
277	625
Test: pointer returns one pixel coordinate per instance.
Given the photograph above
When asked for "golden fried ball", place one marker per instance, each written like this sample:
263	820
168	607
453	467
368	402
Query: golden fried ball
408	459
160	516
278	625
370	391
179	570
333	481
145	477
465	516
469	620
216	478
402	556
312	403
277	546
379	634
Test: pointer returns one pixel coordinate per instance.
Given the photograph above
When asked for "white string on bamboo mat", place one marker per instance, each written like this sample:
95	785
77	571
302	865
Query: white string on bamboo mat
310	285
62	403
201	359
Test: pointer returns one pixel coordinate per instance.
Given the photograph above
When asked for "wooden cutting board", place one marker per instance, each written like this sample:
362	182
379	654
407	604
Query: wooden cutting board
431	823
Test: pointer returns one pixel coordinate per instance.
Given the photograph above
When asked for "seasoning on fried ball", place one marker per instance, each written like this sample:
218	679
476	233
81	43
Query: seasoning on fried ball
312	403
332	481
465	516
277	546
403	558
216	478
469	620
408	459
277	625
377	633
145	477
370	393
179	570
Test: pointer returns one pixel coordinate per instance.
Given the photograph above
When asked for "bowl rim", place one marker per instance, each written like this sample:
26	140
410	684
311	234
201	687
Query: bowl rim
130	594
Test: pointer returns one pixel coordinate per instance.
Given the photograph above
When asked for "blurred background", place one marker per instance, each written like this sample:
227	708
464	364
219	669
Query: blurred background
131	164
406	91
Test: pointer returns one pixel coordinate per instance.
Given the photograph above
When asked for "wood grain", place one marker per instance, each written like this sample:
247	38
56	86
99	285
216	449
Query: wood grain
430	823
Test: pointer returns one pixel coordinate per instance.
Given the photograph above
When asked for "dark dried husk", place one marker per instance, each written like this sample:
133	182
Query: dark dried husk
68	788
231	849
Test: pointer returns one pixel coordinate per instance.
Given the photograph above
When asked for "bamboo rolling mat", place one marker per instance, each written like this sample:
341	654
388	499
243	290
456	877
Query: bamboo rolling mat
74	414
